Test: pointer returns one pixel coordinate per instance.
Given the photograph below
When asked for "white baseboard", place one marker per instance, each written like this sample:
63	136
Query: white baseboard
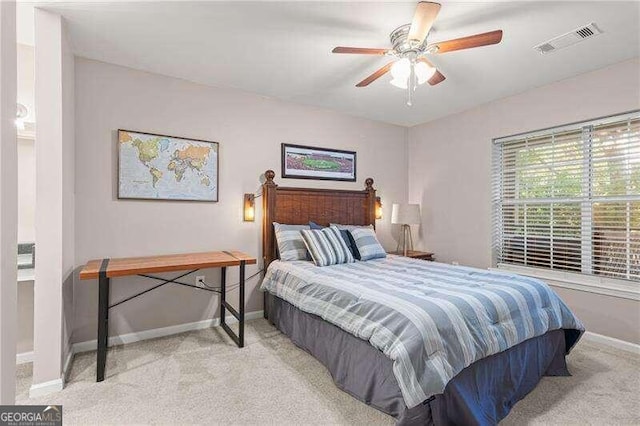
67	365
46	388
27	357
42	389
24	357
122	339
613	342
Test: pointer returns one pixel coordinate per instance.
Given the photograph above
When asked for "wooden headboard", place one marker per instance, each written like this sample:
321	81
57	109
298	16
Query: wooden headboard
298	206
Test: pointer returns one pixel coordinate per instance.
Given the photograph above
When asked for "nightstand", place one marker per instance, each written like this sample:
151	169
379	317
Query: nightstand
423	255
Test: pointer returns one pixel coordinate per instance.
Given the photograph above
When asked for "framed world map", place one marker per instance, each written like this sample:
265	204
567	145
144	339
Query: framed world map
159	167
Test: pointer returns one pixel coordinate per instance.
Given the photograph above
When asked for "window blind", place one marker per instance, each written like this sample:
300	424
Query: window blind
568	198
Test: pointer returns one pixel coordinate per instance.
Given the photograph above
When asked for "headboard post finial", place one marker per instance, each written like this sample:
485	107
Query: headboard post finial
269	175
369	184
371	201
269	188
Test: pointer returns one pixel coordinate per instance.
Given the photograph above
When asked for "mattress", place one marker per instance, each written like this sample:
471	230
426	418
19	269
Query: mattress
431	320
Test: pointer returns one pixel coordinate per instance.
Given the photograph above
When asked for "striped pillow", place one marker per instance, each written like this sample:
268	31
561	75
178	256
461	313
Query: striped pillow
326	246
346	236
368	245
290	243
344	229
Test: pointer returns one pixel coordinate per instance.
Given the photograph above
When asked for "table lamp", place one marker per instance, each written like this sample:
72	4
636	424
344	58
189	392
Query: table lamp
405	215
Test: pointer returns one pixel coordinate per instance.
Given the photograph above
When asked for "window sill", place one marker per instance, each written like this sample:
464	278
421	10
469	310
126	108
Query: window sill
592	284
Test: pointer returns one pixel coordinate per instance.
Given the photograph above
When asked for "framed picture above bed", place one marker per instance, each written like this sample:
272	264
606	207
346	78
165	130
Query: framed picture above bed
308	162
160	167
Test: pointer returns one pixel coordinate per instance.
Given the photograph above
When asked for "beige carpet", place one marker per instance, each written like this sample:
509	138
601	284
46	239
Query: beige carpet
201	377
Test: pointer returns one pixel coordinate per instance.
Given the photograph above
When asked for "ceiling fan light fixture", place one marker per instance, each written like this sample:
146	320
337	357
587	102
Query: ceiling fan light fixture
400	83
410	45
401	72
401	69
423	72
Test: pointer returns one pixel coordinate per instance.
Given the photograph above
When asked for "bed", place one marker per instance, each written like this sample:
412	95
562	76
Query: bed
424	342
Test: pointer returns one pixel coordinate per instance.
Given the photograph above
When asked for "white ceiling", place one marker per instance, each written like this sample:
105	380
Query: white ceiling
283	49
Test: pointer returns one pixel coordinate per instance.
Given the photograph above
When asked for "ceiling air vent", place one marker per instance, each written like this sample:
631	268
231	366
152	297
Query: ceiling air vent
568	39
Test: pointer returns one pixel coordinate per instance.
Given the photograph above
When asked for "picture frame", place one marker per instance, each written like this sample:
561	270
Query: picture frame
153	166
309	162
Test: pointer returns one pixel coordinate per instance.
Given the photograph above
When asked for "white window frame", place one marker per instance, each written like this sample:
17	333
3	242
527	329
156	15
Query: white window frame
584	281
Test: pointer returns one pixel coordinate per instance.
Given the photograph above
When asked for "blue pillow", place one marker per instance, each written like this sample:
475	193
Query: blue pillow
368	245
346	236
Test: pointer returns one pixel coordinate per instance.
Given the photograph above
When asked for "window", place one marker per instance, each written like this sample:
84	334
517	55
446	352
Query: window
568	198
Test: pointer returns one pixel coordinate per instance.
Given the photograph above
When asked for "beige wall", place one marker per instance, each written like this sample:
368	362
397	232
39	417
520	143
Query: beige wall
53	311
26	148
68	189
250	129
26	194
606	315
8	202
26	80
450	174
26	190
25	317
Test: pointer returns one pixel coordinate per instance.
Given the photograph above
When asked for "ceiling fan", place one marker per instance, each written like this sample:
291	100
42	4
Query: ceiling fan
410	67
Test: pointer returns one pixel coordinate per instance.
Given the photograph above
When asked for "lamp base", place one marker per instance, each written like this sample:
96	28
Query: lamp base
406	239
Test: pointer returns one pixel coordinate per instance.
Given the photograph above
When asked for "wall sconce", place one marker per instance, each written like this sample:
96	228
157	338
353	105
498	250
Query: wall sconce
378	208
249	208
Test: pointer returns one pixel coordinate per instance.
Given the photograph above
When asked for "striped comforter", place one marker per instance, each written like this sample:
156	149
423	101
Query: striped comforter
431	319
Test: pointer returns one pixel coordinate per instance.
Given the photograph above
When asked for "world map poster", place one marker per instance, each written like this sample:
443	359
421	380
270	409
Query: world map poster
160	167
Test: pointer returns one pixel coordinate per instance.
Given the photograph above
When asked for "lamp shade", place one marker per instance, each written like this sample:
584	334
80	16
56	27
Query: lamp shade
405	214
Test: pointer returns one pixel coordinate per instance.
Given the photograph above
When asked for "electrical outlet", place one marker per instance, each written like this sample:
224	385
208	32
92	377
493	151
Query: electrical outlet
200	281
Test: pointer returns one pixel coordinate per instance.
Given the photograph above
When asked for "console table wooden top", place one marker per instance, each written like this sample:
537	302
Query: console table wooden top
120	267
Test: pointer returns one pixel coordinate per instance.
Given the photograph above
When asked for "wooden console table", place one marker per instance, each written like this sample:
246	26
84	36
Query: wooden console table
105	269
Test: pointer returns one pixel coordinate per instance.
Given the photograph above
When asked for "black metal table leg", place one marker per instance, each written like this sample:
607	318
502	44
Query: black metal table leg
241	306
223	296
225	306
103	320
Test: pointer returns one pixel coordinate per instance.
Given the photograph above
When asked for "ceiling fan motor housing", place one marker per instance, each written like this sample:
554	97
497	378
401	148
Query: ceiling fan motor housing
403	46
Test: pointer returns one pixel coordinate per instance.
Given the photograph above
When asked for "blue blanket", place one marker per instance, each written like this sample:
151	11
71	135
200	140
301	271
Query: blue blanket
431	319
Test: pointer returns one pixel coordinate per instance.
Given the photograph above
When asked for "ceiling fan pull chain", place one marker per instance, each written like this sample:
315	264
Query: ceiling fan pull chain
414	77
411	86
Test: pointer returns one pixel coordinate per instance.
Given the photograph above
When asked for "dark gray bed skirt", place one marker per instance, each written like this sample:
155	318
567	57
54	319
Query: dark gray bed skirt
481	394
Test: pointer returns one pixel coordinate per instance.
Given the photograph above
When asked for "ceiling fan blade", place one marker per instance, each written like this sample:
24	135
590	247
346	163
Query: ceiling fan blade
435	78
484	39
360	50
426	13
376	75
